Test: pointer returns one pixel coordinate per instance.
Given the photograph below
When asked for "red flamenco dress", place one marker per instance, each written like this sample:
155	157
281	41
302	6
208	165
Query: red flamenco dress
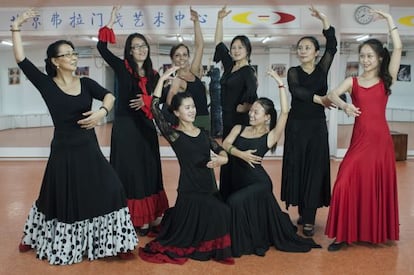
364	205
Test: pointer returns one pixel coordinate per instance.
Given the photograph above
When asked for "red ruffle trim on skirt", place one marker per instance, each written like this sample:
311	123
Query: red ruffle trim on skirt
155	252
148	209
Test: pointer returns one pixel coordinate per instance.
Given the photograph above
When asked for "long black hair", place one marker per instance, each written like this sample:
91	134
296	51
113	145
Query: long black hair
269	109
147	66
384	59
52	52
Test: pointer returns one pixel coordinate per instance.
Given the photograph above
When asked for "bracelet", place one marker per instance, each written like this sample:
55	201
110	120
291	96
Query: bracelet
393	29
231	148
14	30
106	110
282	86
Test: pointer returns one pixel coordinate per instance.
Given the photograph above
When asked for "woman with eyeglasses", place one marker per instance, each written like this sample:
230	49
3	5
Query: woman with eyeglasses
188	77
81	209
135	151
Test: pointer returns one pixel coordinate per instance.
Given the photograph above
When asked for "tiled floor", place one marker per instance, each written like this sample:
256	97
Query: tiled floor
19	187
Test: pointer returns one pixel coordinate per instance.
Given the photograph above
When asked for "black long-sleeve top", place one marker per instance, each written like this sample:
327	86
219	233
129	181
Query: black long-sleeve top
304	86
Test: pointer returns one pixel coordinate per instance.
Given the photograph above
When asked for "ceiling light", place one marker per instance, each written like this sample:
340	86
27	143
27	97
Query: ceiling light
264	40
362	37
180	38
8	43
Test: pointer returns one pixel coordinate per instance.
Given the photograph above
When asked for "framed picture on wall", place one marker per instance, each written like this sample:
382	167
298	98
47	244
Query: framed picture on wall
352	69
82	71
14	76
280	69
404	74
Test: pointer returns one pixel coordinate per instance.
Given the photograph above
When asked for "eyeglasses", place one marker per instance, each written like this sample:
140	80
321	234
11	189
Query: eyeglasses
69	55
139	47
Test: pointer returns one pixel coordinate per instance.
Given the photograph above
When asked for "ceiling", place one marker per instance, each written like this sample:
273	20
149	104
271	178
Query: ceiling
164	41
50	3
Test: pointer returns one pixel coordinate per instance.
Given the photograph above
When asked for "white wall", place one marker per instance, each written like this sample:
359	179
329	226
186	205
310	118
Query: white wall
24	100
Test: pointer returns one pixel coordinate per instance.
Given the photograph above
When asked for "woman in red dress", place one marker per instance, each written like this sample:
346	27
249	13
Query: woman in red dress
364	205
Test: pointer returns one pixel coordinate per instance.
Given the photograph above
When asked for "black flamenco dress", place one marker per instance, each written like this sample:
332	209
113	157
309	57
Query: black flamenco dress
306	180
237	87
197	227
81	209
257	220
135	153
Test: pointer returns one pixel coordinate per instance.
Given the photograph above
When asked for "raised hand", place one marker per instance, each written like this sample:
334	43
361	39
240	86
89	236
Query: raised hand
275	76
30	13
223	12
193	14
379	15
168	73
114	13
317	14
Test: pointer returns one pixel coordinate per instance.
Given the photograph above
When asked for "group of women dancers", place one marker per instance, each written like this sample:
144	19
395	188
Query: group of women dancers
89	207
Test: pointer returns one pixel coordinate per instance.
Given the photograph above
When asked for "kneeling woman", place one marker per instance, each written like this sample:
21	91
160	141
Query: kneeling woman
197	227
257	220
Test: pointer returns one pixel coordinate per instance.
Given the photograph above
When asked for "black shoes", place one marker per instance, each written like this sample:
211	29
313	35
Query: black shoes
142	231
308	230
336	246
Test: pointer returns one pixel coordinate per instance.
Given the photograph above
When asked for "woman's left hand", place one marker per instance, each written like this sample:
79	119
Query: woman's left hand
317	14
216	161
249	157
92	119
137	103
327	102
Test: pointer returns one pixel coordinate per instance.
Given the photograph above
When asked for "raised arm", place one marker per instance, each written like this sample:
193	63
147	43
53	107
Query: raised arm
16	36
218	37
319	15
277	131
395	60
106	34
199	44
111	22
331	42
168	132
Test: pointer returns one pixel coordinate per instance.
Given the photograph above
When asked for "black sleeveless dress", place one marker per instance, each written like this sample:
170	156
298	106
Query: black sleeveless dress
257	220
